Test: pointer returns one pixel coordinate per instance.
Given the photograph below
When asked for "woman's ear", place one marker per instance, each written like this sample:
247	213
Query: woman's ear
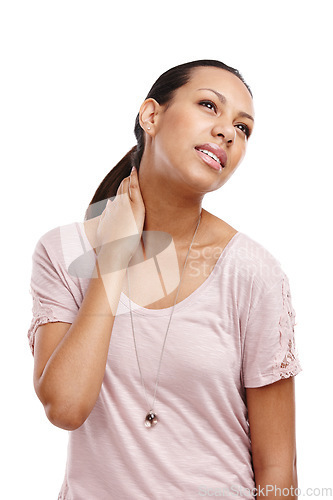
148	115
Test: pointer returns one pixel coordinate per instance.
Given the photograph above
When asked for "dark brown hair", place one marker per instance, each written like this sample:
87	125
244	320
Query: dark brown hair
162	91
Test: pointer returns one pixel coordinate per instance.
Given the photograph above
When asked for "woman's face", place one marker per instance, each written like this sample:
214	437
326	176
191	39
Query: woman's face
209	116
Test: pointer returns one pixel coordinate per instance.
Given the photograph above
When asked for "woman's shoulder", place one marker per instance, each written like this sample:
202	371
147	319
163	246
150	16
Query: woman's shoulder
63	236
66	246
257	262
55	240
247	257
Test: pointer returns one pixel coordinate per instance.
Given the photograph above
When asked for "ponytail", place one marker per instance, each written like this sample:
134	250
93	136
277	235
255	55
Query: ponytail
109	185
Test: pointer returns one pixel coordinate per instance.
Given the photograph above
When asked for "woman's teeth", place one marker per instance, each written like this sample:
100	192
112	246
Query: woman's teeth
209	153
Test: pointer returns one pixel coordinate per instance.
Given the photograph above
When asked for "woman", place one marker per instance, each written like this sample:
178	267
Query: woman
163	338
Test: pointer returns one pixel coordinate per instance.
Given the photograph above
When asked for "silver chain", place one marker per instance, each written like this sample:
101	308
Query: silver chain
135	346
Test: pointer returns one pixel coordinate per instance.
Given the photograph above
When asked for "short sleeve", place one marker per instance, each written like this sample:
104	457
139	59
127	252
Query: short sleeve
269	347
51	295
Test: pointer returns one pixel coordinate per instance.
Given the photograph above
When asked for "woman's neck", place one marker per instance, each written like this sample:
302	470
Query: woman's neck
169	208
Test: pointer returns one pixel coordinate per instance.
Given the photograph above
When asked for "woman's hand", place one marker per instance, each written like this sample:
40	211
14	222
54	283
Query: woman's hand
122	219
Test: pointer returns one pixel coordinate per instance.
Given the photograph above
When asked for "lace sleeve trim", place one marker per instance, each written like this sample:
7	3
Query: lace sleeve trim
41	315
286	361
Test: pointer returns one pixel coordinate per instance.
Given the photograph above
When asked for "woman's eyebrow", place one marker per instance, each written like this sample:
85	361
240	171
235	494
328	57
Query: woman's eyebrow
245	115
221	97
223	100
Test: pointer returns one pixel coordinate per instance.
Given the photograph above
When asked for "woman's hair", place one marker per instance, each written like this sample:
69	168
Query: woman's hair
162	91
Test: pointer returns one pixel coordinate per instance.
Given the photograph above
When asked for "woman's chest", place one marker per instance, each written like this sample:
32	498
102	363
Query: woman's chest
172	276
201	344
161	282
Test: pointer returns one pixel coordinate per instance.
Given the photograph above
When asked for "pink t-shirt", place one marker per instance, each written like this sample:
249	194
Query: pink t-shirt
235	331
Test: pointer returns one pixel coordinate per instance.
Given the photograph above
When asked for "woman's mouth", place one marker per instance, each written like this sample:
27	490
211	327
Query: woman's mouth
212	155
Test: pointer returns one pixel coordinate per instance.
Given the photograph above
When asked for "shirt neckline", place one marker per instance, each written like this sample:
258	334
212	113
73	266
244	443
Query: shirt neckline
144	311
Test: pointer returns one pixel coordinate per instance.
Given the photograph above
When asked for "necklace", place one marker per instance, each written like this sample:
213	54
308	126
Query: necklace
151	417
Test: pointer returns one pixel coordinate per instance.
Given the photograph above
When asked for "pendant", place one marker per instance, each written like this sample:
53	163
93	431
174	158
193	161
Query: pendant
151	419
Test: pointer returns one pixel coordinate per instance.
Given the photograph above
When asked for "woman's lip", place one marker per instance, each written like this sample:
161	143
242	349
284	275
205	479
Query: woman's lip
216	150
207	159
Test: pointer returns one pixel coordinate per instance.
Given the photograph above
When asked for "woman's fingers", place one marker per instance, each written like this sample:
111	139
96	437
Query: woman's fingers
134	188
130	185
123	186
124	216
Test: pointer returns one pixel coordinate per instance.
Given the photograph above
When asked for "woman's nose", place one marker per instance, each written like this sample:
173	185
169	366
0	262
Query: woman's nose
226	131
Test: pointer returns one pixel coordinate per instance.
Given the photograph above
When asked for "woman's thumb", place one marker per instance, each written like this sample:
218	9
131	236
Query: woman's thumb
134	183
134	172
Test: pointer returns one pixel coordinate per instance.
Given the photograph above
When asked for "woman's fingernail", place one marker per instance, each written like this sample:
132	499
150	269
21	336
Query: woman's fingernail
133	168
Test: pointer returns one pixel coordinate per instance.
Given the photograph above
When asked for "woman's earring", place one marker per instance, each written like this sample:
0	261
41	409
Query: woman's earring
148	128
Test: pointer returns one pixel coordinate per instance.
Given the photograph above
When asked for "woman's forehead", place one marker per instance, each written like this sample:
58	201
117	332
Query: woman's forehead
221	81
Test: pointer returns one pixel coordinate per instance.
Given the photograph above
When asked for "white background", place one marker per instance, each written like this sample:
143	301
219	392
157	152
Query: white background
74	74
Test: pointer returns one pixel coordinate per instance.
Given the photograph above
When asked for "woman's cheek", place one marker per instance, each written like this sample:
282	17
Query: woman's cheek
241	154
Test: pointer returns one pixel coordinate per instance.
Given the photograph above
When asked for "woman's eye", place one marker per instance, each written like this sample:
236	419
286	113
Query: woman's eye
244	128
208	104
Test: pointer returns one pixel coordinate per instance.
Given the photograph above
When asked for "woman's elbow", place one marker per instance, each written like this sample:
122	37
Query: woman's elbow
67	416
69	420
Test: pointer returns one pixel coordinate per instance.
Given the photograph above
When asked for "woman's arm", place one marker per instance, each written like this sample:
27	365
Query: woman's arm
271	414
70	360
